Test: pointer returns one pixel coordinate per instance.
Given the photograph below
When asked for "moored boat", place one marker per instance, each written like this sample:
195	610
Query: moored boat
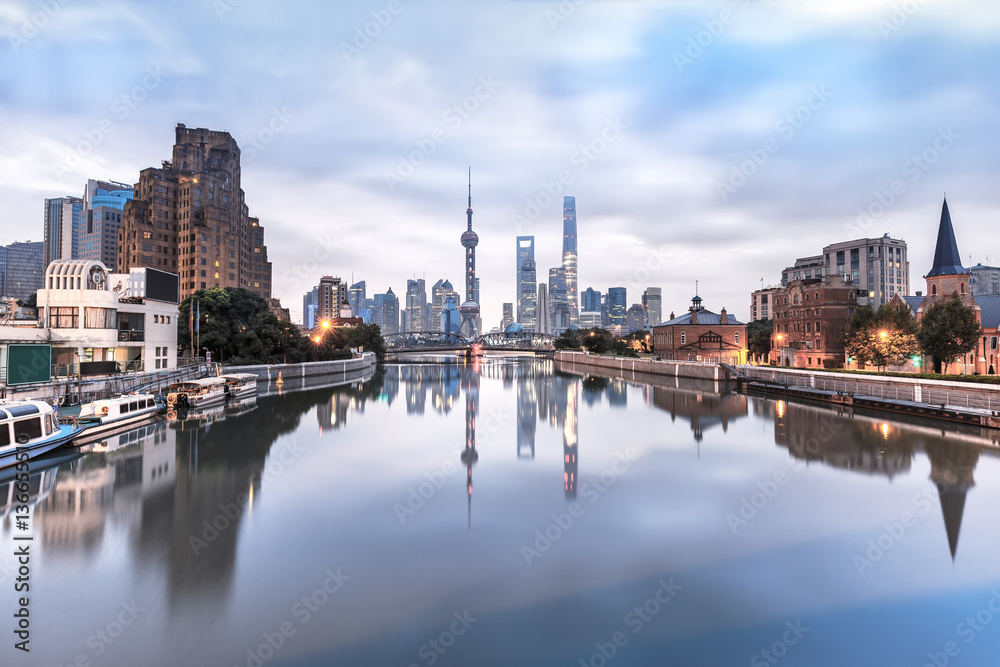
28	429
240	385
113	414
197	393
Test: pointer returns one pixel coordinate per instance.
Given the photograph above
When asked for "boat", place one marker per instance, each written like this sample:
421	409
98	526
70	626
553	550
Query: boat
197	393
116	414
134	435
187	419
30	428
240	385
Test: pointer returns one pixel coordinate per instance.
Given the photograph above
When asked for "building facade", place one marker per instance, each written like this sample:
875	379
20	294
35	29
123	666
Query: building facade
761	303
878	267
616	305
570	259
190	216
527	283
385	312
331	299
61	235
23	269
636	318
100	220
984	280
701	335
809	317
652	301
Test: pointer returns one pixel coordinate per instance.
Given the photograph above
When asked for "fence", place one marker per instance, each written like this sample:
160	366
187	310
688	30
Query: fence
966	395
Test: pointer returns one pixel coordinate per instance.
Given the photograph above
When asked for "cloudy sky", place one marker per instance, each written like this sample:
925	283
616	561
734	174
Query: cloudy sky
709	141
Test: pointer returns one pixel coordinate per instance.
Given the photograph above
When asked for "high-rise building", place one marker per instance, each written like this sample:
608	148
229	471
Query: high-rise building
636	318
560	317
100	220
762	303
591	300
470	308
439	294
416	303
984	280
62	229
190	216
508	316
652	301
356	294
331	298
569	258
310	305
527	282
543	325
616	304
450	319
385	312
24	269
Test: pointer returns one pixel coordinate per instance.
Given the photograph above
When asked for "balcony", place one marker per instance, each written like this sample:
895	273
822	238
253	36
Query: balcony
131	336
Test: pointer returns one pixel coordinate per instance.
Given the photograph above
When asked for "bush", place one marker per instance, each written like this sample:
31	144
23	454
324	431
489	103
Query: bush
833	363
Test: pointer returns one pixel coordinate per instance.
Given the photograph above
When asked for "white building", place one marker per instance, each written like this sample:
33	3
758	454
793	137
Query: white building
88	314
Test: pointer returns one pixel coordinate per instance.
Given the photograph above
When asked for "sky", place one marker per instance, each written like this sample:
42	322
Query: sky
708	141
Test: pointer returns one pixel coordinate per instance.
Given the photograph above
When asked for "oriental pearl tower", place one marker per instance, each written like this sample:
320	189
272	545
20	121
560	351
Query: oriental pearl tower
469	310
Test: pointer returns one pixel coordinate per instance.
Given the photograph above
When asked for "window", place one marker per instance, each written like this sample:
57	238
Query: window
99	318
26	429
63	317
993	343
737	338
683	338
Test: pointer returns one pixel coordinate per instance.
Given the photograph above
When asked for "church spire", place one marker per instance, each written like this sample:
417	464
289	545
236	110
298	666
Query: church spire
947	261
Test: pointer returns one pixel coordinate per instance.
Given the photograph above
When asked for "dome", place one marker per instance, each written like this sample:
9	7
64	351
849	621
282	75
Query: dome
469	306
573	326
470	239
516	327
697	298
446	285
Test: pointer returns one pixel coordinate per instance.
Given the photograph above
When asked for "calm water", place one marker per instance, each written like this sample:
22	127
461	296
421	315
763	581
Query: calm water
598	521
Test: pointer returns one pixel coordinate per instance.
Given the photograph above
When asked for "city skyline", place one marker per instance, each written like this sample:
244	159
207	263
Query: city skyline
690	194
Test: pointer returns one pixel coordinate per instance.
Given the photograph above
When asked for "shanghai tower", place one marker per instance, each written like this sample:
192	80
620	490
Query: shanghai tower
569	258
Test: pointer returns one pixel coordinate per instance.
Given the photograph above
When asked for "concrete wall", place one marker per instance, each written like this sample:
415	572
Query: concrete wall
684	369
269	373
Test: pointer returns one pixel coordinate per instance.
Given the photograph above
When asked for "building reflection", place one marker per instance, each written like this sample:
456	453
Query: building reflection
864	442
527	410
470	385
703	409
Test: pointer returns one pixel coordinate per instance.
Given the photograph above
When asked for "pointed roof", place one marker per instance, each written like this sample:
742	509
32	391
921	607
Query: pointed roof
952	507
947	261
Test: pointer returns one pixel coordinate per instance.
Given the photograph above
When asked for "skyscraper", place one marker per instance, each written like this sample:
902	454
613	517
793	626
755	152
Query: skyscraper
508	316
190	216
62	229
416	303
439	294
560	317
651	301
386	312
332	295
470	309
569	258
543	326
100	220
357	294
527	282
617	307
24	269
591	300
310	305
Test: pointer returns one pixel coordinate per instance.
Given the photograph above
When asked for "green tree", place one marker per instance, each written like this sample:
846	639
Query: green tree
238	327
596	340
759	338
883	337
948	330
568	340
366	336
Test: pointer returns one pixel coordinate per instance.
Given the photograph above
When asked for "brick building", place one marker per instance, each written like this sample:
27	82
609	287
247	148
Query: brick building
701	335
809	316
189	217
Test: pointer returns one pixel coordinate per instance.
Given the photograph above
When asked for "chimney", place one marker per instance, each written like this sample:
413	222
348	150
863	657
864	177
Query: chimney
671	315
723	318
694	316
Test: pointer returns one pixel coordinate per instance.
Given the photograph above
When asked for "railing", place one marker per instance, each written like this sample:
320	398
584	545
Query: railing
131	336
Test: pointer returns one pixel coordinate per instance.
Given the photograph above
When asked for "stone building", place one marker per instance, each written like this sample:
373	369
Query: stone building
189	217
809	316
701	335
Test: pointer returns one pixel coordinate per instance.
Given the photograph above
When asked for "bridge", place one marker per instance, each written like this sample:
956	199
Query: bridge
437	341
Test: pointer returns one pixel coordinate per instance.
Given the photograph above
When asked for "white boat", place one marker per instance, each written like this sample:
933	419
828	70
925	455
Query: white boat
28	429
240	385
115	414
196	393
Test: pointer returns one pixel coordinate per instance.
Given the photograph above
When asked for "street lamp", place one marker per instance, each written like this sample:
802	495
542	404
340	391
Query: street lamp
325	324
882	334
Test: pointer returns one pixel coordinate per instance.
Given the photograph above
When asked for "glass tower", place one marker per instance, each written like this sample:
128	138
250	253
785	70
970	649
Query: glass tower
527	281
569	258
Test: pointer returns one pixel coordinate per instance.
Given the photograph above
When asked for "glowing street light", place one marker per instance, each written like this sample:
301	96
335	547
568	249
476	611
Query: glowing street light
882	334
325	324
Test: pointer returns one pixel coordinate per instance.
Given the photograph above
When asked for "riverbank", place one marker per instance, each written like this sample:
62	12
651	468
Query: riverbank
684	369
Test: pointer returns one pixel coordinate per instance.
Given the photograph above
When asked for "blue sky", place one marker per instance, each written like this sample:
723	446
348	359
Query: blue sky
726	138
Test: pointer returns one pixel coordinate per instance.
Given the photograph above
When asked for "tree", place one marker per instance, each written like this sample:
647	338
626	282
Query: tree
883	337
949	330
367	336
640	340
759	338
238	326
596	340
568	340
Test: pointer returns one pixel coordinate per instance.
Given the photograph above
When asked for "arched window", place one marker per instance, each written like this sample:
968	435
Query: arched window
961	288
933	290
851	296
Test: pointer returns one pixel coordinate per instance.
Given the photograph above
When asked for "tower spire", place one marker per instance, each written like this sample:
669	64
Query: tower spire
947	260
